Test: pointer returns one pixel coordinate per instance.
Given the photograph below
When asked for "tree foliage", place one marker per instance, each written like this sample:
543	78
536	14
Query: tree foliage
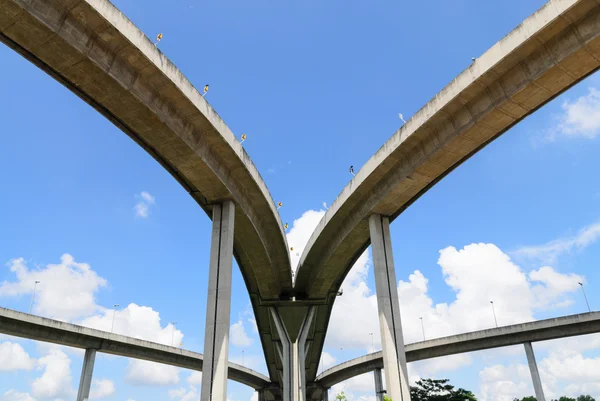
563	398
439	390
341	396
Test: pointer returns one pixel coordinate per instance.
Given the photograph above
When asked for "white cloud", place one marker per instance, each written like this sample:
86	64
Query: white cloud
142	207
136	321
55	381
140	372
13	395
65	290
581	118
14	357
550	251
238	336
477	274
182	394
505	383
300	233
195	378
141	322
327	361
102	388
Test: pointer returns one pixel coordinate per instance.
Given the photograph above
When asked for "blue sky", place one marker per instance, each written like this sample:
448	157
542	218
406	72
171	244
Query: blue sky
316	86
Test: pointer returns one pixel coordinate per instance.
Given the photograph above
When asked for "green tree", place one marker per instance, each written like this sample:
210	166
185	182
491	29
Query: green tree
585	398
439	390
341	396
386	398
530	398
563	398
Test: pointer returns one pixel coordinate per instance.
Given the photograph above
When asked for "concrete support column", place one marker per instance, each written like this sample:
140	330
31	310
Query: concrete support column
302	348
390	325
379	391
216	337
535	375
261	395
293	357
325	394
86	375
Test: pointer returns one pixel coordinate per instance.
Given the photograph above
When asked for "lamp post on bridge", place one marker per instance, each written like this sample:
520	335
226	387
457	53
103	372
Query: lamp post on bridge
422	327
494	311
112	327
584	296
173	332
33	296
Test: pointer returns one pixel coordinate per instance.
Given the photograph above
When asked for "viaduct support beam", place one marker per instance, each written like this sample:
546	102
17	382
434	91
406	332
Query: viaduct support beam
535	375
390	324
325	394
293	356
216	337
86	375
379	391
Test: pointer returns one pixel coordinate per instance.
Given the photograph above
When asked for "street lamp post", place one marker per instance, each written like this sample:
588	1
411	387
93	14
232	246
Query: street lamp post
173	332
372	343
242	357
422	328
33	296
585	296
113	319
494	311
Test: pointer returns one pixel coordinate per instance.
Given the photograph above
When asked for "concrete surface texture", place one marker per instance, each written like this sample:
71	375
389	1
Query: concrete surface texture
96	52
535	374
548	53
53	331
218	305
388	306
541	330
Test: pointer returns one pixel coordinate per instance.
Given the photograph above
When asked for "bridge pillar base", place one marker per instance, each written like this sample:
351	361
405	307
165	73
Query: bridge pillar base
390	324
86	375
293	356
216	338
379	391
535	374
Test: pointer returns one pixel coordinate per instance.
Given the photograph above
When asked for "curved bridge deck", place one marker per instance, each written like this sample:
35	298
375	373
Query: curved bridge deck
548	53
541	330
91	48
53	331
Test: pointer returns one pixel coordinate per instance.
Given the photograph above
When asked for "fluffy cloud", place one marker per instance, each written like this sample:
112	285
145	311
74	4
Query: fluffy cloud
135	321
183	394
477	274
195	378
55	381
550	251
144	323
65	290
238	336
102	388
581	118
142	373
14	357
300	233
505	383
13	395
142	207
327	361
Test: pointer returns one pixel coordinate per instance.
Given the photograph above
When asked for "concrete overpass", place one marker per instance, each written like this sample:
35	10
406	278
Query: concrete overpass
91	48
548	53
53	331
541	330
98	54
